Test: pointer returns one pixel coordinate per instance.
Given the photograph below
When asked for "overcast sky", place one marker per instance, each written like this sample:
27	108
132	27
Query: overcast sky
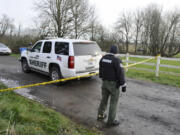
108	10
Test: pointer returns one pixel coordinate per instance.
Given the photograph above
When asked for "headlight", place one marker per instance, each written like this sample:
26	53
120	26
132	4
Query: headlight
8	50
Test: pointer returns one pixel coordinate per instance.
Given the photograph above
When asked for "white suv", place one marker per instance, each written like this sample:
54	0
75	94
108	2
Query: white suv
62	58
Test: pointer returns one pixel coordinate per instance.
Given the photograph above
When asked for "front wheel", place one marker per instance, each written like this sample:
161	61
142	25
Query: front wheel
25	66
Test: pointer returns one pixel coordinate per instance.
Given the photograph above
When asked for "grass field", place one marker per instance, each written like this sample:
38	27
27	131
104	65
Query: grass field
150	76
165	62
15	55
163	78
177	56
20	116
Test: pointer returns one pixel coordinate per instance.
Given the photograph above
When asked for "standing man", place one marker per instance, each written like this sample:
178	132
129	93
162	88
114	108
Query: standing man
112	74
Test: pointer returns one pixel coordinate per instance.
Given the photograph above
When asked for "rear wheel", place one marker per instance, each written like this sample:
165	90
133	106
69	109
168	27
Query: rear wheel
25	66
55	73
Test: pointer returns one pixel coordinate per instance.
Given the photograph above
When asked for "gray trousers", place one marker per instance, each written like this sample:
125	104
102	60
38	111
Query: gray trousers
109	90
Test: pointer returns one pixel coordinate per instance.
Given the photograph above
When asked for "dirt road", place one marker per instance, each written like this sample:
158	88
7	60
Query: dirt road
146	109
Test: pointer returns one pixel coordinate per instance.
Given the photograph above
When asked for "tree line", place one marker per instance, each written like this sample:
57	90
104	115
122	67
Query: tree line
148	31
152	30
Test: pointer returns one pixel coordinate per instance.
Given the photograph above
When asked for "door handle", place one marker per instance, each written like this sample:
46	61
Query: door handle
37	57
48	57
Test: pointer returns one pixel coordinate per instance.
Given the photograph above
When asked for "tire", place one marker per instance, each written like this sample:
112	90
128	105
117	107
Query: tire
25	66
55	73
87	78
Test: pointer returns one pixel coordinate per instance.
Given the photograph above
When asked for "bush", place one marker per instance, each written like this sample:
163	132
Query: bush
16	42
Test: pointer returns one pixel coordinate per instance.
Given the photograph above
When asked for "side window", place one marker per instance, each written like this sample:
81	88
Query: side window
37	47
62	48
47	47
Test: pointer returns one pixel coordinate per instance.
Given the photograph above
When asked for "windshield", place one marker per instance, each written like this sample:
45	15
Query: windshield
89	48
2	46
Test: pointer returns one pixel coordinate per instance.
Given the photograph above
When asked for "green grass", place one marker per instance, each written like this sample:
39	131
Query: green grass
165	69
177	56
32	118
146	75
15	55
162	79
165	62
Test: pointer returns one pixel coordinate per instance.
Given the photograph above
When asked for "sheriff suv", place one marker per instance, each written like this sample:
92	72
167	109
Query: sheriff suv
62	58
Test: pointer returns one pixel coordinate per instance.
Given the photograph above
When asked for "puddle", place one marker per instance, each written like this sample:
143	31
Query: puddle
25	92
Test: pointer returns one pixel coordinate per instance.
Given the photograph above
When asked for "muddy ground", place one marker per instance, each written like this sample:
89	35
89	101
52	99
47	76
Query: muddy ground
146	109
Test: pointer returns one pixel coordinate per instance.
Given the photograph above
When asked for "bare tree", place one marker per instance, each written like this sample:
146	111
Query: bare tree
101	36
58	12
19	30
5	24
124	25
154	30
156	18
138	22
81	11
11	30
43	28
160	31
145	34
171	44
94	25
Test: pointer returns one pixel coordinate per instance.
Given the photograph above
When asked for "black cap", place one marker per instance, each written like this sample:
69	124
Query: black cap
113	49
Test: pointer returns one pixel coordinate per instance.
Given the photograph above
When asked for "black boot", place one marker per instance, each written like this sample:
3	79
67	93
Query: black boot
114	123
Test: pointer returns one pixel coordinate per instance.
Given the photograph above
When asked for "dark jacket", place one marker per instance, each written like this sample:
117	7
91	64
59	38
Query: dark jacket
110	68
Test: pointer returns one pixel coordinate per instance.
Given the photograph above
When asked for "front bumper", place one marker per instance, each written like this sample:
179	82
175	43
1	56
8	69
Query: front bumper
5	53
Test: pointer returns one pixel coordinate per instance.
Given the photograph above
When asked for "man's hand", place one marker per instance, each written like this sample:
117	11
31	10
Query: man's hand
124	89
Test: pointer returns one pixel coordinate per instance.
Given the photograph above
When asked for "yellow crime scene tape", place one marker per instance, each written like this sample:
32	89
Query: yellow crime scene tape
49	82
134	64
67	79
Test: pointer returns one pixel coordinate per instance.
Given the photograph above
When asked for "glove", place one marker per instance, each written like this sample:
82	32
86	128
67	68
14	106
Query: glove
124	89
117	85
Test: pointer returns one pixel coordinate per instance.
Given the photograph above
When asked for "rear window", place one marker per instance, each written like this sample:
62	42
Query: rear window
62	48
86	49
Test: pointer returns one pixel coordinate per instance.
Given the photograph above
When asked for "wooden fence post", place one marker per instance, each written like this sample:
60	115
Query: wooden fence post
158	62
127	60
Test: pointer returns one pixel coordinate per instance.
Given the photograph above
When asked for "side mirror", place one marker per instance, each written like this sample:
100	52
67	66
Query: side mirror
36	50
